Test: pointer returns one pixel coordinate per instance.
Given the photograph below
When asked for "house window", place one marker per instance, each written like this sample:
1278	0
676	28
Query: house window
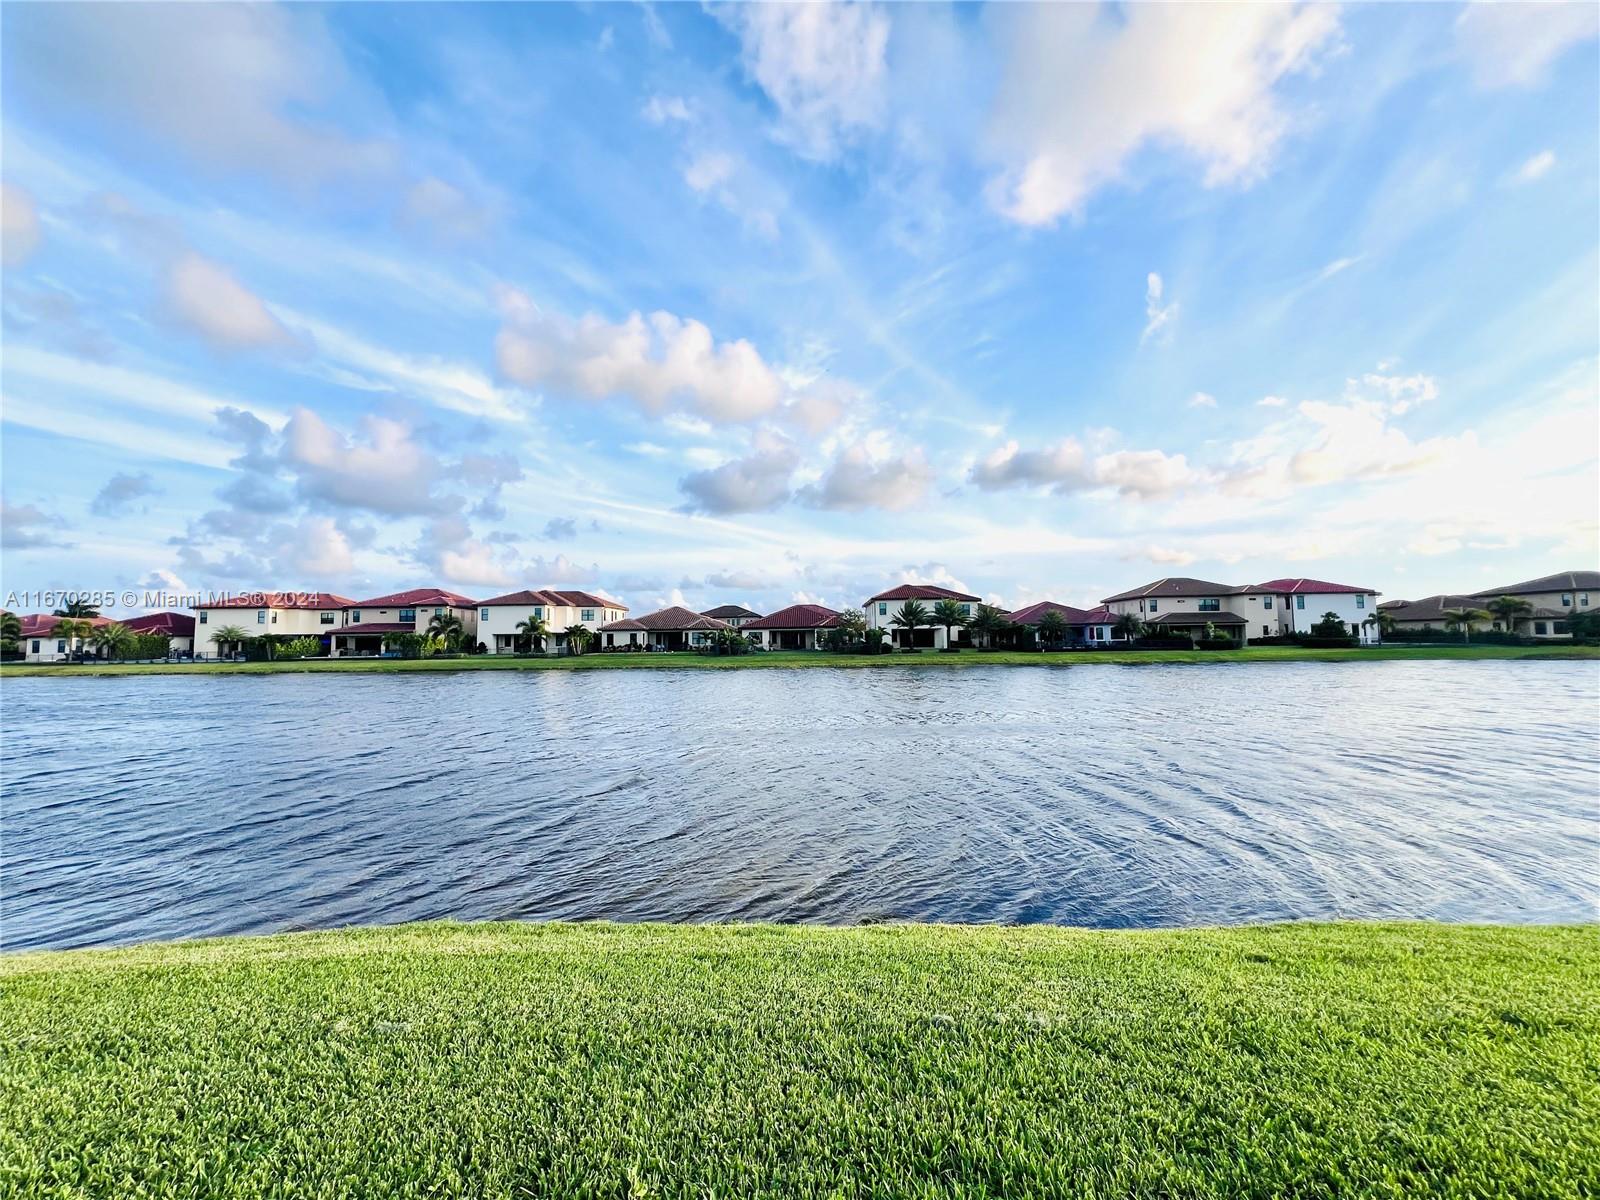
1566	599
1266	602
1266	631
1361	601
483	614
966	610
355	616
202	616
1583	599
326	618
1152	606
36	645
538	610
437	611
586	614
274	617
61	646
409	614
1300	602
1559	627
261	616
883	608
1210	604
1539	628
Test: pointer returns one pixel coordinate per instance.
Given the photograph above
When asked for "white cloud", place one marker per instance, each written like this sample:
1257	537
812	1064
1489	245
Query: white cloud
1272	402
659	110
857	481
315	548
1083	91
208	299
1403	392
1202	400
1165	555
383	470
24	526
758	482
1067	467
654	361
822	65
1512	45
1535	167
1156	315
19	225
445	209
708	170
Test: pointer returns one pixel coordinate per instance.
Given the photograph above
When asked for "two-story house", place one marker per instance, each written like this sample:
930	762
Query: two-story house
368	624
1553	599
1294	605
881	610
288	614
1181	606
734	614
499	618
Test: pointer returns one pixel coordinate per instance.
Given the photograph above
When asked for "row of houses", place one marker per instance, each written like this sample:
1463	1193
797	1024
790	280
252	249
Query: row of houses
1174	606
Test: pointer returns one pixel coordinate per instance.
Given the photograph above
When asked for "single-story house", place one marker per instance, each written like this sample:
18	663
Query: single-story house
881	610
1428	613
369	624
499	617
1085	626
672	628
176	627
39	643
798	627
734	614
1553	598
290	614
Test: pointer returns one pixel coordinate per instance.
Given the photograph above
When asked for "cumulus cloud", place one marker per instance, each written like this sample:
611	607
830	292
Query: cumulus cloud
1156	314
227	84
1202	400
448	549
1082	94
1513	45
381	470
708	170
655	361
1402	392
120	492
757	482
560	529
858	480
314	548
23	526
210	301
822	65
1068	467
1272	402
19	225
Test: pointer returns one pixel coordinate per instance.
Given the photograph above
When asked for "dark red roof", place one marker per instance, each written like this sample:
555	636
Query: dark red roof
414	597
1307	587
173	624
374	627
920	591
797	616
1072	616
551	598
728	612
281	600
40	624
1177	585
666	621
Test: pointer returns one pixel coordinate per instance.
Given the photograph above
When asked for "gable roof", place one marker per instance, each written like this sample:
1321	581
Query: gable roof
1429	608
667	620
416	596
40	624
797	616
728	612
1292	587
281	600
1034	613
1177	585
920	591
1565	581
551	598
173	624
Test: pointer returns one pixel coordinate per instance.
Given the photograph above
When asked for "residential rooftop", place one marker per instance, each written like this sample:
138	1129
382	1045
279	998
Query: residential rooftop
1175	586
1306	587
1034	613
1563	581
730	612
415	597
920	591
551	598
666	620
306	600
797	616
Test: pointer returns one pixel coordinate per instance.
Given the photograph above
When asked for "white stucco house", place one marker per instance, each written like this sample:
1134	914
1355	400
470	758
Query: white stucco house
366	624
1294	605
881	609
290	614
798	627
39	642
673	628
499	617
1084	626
1181	606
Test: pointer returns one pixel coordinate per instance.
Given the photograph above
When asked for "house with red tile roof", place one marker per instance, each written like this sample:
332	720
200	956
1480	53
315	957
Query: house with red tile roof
500	617
881	610
674	628
1179	605
1298	604
798	627
1084	626
734	614
368	625
176	627
286	614
39	642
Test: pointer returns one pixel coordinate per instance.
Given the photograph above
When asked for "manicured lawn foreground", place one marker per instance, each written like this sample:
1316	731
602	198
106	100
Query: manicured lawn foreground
603	1060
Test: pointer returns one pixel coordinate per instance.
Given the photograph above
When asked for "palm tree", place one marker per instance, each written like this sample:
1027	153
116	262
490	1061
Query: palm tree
1052	628
911	614
987	622
1462	619
72	629
447	627
1508	609
112	640
578	638
535	630
948	614
10	631
1128	626
225	635
77	608
1383	622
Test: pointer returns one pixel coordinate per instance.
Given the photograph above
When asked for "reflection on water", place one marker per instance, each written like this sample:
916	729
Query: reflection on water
165	807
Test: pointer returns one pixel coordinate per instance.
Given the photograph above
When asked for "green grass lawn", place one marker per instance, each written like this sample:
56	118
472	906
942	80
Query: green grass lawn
797	658
601	1060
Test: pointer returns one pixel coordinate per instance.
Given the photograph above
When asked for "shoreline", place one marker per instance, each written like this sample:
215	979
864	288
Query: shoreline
811	660
452	1059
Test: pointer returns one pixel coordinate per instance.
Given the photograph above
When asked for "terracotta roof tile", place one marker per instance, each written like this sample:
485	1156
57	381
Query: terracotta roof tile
665	621
797	616
920	591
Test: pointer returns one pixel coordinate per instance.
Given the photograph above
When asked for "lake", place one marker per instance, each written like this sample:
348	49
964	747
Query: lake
164	807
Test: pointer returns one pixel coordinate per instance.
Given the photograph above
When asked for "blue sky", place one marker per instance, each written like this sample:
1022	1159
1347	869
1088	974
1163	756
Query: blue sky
708	305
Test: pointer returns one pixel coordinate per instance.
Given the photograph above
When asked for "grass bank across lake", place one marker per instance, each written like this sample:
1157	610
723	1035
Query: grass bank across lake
604	1060
802	658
